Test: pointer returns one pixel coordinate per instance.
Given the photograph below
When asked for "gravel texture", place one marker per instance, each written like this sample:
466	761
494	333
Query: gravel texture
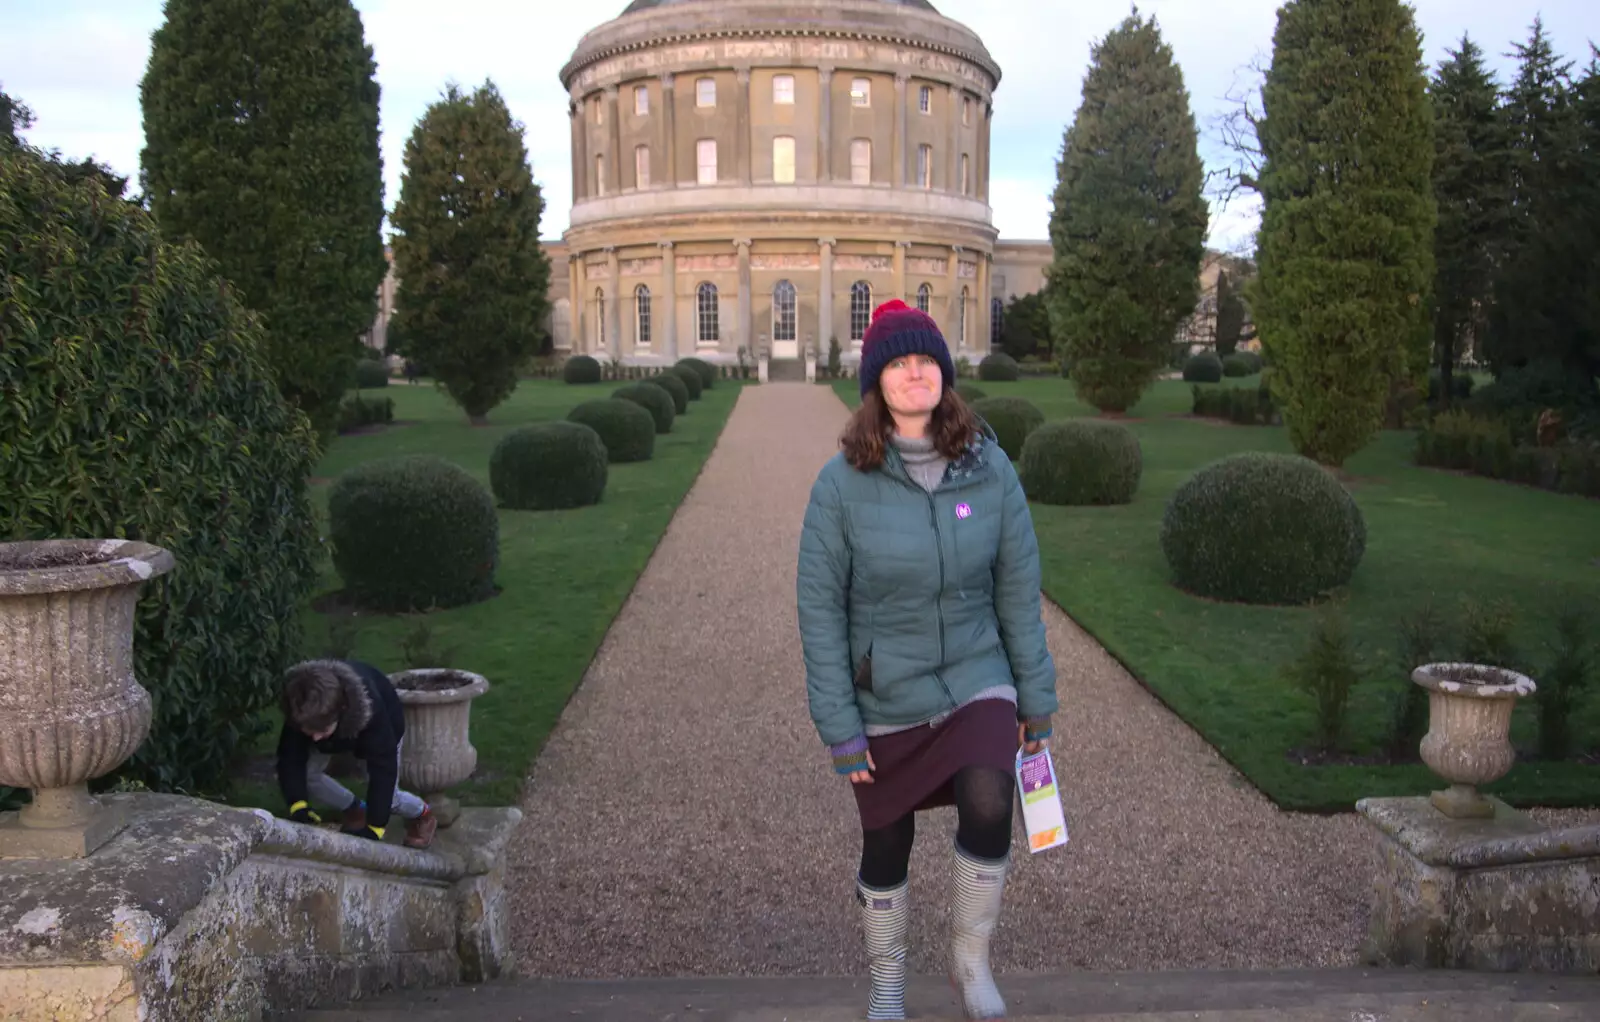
683	818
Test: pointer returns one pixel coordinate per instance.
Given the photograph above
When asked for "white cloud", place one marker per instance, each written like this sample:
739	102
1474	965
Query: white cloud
77	63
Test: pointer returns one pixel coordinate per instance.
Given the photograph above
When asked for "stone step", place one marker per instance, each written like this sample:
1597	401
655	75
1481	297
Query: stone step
1320	995
786	370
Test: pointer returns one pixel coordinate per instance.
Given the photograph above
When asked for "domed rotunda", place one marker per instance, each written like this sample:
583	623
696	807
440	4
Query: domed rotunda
755	175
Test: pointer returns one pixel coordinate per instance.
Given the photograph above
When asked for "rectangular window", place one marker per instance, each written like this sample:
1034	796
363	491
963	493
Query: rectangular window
783	90
860	161
600	174
925	166
925	99
705	92
966	179
641	166
783	160
599	111
641	100
860	92
966	110
705	155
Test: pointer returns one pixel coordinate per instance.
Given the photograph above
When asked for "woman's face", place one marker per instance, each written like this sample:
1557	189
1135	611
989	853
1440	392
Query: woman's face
912	385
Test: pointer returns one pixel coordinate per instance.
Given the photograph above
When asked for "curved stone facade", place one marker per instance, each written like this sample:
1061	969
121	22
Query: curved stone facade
758	174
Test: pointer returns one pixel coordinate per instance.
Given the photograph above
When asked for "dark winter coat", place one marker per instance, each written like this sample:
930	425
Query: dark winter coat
912	602
371	725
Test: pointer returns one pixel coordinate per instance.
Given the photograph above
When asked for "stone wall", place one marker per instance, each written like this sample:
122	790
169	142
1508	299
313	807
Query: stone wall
202	911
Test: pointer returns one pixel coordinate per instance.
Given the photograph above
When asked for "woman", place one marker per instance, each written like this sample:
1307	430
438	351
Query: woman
926	664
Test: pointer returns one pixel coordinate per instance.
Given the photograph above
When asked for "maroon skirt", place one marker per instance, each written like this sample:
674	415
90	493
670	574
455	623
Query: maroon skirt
916	768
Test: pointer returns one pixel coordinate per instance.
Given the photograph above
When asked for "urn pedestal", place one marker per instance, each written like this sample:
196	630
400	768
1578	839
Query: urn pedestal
437	753
1469	731
70	707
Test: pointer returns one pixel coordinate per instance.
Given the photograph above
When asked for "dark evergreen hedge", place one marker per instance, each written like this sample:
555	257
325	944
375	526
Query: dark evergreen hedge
136	402
627	430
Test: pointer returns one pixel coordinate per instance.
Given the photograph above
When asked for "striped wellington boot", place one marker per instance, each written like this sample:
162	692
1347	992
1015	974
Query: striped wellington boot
977	887
884	915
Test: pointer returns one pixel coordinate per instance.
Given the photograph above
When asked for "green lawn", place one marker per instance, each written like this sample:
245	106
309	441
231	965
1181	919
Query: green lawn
1431	536
564	574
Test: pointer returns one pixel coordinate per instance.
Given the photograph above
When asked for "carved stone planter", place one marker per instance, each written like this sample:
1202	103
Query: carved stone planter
1469	731
437	753
70	707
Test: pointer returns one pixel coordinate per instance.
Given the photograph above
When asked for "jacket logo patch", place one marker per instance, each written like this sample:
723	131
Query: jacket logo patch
963	510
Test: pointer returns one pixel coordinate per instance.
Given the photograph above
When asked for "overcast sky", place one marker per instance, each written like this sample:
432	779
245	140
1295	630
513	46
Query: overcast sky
77	64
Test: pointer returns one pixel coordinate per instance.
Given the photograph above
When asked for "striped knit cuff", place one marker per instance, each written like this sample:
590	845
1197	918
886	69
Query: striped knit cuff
1037	729
850	756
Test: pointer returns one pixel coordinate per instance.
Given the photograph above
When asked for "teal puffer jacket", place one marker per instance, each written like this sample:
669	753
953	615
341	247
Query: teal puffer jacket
941	589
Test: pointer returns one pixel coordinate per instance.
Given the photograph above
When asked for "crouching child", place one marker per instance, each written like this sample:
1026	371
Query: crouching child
334	706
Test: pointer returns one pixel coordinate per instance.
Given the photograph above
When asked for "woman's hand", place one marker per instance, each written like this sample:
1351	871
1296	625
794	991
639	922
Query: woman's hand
1029	748
864	776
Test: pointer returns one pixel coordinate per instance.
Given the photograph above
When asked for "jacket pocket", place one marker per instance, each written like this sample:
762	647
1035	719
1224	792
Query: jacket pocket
863	678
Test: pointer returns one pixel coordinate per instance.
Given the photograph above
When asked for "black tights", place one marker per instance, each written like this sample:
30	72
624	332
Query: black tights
983	828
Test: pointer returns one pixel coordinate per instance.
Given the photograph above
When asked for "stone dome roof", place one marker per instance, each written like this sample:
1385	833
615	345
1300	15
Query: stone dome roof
648	5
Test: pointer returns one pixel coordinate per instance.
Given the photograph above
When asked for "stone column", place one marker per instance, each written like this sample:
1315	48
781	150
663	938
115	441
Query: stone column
952	330
983	145
742	327
669	308
613	324
742	120
669	118
900	270
952	181
825	124
614	141
980	341
900	160
583	317
574	303
575	115
825	331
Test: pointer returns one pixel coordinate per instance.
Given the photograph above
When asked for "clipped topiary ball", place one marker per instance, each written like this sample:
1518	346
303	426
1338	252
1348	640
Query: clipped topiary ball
673	384
968	393
1205	367
1238	365
1012	419
413	532
1262	528
1081	462
654	400
627	430
998	366
691	378
581	369
370	373
703	369
548	465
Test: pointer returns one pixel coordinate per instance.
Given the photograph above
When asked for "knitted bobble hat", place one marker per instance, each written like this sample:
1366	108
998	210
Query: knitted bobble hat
897	330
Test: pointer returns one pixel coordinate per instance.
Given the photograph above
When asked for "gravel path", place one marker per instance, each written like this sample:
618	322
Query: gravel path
683	818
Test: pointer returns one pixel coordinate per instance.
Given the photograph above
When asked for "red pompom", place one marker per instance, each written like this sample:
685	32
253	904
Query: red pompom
892	305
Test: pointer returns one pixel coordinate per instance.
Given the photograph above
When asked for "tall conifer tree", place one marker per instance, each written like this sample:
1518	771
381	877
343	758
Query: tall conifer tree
1345	248
261	143
473	277
1472	185
1130	217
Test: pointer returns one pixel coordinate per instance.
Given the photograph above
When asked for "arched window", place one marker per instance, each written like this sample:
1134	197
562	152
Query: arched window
599	318
996	321
924	296
641	303
783	315
706	314
962	334
860	309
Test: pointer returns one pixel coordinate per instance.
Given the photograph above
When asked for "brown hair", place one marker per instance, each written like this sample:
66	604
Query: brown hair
312	697
869	429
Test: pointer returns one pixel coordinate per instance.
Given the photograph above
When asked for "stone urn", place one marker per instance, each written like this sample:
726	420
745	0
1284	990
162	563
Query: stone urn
1469	731
70	707
436	753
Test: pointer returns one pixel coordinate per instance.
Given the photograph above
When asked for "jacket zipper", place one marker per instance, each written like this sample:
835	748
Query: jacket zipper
938	601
